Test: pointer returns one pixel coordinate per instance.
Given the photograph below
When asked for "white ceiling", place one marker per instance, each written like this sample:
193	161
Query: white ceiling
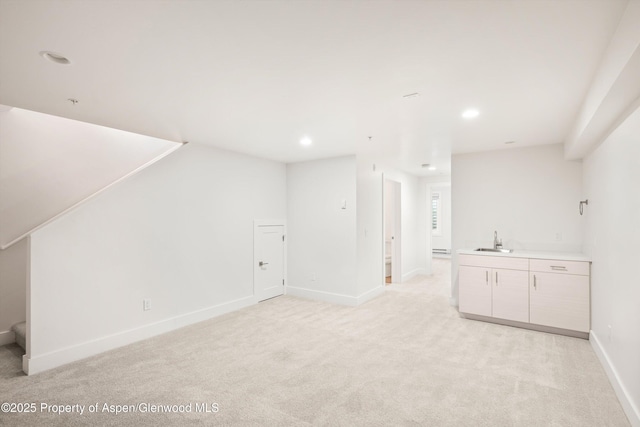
256	76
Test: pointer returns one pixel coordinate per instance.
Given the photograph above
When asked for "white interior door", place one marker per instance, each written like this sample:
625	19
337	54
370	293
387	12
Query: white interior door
269	261
392	223
396	239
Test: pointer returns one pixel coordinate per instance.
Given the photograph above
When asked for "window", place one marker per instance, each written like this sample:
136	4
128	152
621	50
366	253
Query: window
436	214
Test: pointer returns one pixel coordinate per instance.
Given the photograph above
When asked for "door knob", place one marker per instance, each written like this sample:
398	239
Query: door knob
263	263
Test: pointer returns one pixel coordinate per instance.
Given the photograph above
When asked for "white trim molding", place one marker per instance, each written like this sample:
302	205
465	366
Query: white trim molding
629	407
329	297
43	362
266	222
334	298
369	295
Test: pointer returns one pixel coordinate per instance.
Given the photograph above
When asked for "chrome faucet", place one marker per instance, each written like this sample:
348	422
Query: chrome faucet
497	244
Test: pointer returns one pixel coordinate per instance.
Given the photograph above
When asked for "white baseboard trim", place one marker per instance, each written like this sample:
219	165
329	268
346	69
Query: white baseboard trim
330	297
629	407
413	273
334	298
369	295
43	362
7	337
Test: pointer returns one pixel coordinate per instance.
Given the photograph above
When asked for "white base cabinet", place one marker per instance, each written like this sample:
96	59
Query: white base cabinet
560	300
511	295
553	293
499	288
475	286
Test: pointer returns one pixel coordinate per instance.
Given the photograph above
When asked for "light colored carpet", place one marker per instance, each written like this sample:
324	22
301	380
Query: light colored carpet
404	358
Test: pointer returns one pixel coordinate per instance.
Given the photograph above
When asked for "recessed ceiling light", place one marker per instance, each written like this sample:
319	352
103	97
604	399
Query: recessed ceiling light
425	165
431	168
54	57
411	95
306	141
510	142
471	113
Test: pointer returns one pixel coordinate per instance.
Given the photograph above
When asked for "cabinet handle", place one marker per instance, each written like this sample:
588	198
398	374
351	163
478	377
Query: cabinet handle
486	276
496	278
559	267
535	286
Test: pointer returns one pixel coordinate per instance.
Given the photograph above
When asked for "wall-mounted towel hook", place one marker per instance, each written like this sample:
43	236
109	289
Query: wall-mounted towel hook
582	203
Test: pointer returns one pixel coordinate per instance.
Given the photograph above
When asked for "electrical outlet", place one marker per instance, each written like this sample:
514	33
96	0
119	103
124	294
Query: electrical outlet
313	277
146	304
558	237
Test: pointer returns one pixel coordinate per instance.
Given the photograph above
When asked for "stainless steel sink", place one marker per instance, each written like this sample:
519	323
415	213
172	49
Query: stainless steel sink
504	251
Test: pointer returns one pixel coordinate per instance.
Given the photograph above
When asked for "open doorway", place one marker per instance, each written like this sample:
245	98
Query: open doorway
392	232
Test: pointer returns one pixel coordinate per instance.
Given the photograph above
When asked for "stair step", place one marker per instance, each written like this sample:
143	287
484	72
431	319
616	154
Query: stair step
20	329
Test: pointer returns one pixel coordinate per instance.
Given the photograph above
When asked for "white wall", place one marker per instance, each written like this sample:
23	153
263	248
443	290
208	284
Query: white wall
414	218
180	233
529	195
13	287
612	239
321	236
424	226
48	164
370	236
344	249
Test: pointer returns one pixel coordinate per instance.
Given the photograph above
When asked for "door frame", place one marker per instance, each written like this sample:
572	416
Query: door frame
257	223
396	242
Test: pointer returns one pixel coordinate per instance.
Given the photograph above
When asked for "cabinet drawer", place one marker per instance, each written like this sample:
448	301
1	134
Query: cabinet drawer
505	262
559	266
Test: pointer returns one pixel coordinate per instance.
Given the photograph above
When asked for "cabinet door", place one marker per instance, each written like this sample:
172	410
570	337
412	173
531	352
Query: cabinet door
474	292
511	294
560	300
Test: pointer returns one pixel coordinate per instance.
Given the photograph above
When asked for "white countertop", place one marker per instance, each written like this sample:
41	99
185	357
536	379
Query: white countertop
566	256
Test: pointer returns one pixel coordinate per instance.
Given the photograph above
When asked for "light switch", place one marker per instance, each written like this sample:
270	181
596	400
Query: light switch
343	204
